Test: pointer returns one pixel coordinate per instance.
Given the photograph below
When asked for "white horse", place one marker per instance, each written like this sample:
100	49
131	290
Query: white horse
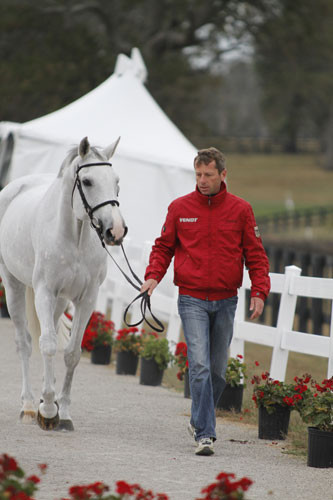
47	244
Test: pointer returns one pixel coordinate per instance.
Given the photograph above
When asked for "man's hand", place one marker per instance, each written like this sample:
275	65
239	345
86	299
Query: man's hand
257	306
149	285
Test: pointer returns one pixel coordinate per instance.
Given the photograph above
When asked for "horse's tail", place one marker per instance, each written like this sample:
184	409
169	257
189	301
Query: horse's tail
63	327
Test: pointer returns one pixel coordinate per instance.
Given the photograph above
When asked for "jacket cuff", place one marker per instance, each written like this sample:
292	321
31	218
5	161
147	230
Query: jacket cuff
259	295
153	276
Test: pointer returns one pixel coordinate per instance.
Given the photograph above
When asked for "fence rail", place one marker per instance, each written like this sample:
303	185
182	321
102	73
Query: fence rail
295	219
312	313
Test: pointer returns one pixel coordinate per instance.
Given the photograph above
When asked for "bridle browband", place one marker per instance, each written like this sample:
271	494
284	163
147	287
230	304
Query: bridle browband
145	298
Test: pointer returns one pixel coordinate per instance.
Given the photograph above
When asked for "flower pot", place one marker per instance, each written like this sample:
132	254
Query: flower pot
150	373
273	426
126	363
4	311
187	391
101	355
231	398
320	448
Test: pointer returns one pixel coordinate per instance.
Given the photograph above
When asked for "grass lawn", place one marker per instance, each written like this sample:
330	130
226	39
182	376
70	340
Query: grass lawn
267	180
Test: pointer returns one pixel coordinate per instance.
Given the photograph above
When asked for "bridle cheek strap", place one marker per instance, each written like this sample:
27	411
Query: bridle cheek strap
90	210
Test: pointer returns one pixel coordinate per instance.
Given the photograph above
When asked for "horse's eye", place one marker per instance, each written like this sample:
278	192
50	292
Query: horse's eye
86	182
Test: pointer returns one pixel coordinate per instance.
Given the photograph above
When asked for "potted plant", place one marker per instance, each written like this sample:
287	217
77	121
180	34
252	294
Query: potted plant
14	483
98	338
155	356
3	304
181	361
315	406
127	344
232	396
275	399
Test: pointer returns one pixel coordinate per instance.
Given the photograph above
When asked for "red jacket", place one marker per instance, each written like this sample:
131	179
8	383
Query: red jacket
211	237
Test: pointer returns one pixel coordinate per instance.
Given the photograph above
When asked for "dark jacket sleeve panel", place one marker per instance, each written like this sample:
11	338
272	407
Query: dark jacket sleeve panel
255	257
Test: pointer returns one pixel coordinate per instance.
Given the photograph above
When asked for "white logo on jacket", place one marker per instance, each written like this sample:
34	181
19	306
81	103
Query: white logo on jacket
191	219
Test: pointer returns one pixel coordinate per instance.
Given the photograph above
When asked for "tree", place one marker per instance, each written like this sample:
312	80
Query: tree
54	51
294	58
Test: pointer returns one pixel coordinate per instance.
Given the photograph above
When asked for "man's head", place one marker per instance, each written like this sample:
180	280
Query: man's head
210	170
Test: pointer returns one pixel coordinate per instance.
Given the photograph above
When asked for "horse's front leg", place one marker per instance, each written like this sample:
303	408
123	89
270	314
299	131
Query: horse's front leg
72	356
48	415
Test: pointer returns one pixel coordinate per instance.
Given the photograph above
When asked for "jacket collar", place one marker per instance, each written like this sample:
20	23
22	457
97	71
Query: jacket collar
215	199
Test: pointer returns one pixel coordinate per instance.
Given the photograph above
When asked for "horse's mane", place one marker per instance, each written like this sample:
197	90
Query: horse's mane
72	154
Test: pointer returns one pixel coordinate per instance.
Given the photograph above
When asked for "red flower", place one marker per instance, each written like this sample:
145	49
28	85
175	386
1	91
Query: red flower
79	492
33	479
42	467
98	488
124	488
289	401
181	349
256	363
8	463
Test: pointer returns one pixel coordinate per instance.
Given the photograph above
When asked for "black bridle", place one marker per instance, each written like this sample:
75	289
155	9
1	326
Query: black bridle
145	298
90	210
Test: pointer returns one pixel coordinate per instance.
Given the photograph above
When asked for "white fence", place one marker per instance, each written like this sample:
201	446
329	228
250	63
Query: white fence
117	293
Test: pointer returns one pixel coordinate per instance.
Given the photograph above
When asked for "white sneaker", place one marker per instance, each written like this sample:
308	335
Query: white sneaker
204	447
191	430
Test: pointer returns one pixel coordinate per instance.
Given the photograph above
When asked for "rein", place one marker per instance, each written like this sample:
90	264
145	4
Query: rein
145	298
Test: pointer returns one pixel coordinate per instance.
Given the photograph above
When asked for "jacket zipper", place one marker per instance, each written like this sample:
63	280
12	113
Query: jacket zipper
209	245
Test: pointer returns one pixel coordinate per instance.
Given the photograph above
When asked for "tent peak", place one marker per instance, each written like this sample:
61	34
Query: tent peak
134	65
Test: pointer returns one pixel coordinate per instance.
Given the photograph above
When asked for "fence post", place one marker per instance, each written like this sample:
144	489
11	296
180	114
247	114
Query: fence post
174	321
237	345
284	322
330	354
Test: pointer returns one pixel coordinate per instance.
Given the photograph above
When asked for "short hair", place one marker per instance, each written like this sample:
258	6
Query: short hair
209	154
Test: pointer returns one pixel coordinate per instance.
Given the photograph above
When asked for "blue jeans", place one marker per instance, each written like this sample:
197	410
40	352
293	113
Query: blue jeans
208	329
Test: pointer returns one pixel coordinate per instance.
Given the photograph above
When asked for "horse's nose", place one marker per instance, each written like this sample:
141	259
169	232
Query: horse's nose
110	238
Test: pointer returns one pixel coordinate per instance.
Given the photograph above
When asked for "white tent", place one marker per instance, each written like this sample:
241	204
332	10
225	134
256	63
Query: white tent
154	159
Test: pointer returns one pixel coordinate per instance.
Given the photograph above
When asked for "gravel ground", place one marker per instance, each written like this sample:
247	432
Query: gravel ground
124	430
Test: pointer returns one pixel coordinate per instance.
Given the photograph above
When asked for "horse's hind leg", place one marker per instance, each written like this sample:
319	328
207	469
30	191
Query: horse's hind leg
15	296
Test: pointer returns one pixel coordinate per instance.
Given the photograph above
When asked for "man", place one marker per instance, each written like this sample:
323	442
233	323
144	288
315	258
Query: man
212	234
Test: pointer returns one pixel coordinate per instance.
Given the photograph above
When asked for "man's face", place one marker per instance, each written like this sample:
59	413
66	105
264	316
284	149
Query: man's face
208	178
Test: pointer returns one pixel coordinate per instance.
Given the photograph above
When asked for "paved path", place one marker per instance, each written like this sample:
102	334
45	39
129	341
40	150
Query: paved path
124	430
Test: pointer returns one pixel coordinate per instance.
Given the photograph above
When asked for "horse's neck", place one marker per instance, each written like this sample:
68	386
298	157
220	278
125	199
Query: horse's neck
72	229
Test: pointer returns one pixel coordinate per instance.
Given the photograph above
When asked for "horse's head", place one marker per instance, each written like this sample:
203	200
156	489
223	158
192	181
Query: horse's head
95	192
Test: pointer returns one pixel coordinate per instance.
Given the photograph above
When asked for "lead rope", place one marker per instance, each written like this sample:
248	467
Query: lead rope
145	298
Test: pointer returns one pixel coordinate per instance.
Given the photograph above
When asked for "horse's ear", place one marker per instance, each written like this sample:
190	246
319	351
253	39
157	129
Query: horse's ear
109	151
84	147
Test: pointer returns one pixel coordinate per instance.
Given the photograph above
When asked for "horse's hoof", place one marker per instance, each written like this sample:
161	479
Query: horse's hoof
47	424
28	417
65	425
